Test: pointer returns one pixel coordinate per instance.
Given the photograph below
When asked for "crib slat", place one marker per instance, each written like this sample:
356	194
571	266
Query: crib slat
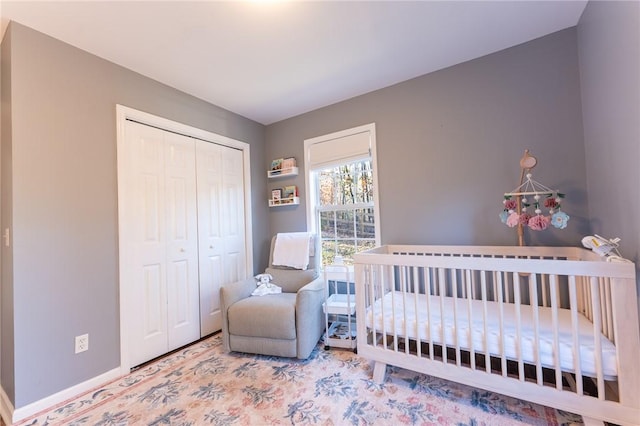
581	299
472	350
512	296
573	299
383	279
394	323
456	326
553	291
370	298
404	283
495	285
385	342
503	357
533	294
516	294
429	316
487	357
587	297
474	285
597	330
416	307
442	322
610	334
602	308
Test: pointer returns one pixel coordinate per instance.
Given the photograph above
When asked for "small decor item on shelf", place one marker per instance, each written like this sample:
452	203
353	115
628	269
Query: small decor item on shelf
290	191
516	203
276	166
276	194
288	163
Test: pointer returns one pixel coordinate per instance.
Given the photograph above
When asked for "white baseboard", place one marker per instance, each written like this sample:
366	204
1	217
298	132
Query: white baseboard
11	415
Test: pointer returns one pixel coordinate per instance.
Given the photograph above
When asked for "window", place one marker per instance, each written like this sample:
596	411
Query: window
341	193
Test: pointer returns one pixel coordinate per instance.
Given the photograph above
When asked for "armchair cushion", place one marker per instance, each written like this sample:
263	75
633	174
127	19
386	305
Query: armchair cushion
291	280
268	316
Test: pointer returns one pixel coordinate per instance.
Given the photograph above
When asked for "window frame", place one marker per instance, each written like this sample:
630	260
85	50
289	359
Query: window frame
311	183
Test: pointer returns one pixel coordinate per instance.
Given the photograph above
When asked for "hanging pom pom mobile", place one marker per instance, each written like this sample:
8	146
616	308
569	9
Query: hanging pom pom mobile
532	204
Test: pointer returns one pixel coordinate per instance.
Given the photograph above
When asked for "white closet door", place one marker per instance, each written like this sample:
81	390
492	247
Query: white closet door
145	236
233	215
182	241
161	241
220	224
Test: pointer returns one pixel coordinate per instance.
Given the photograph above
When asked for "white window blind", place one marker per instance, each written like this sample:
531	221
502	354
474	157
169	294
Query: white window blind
340	150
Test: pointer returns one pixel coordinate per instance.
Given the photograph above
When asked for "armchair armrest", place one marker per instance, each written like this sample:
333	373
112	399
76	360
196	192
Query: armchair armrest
230	294
309	316
314	286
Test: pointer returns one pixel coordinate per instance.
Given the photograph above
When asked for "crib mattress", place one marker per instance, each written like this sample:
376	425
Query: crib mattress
390	318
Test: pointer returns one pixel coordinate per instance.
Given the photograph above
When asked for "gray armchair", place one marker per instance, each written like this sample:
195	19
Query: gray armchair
288	324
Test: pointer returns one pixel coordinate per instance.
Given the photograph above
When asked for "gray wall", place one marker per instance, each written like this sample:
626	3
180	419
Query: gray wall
63	198
609	51
449	145
6	293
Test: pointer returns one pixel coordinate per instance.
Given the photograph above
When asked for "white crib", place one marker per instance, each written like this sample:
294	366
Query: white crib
556	326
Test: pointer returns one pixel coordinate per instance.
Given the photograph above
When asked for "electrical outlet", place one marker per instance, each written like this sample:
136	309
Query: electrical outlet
82	343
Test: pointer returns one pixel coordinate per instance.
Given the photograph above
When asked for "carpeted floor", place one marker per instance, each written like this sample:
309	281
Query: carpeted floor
201	384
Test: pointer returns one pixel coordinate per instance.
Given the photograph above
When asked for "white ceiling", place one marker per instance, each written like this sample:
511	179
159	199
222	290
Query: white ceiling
272	60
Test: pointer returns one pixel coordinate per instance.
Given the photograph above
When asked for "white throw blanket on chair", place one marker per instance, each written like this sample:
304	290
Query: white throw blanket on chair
292	249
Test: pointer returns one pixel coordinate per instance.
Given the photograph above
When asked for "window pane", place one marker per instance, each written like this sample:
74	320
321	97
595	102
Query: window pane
346	249
365	245
328	252
364	184
326	187
344	224
365	226
346	185
327	225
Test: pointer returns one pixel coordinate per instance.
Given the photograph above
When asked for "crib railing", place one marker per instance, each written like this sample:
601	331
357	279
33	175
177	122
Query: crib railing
565	298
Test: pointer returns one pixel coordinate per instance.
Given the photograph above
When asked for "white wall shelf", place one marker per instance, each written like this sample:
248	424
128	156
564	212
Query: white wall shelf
290	172
291	201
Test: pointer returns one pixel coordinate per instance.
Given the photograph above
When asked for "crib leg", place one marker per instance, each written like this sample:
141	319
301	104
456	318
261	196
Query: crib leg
379	370
589	421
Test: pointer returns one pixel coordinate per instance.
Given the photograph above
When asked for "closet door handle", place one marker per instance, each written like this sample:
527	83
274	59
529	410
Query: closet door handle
182	250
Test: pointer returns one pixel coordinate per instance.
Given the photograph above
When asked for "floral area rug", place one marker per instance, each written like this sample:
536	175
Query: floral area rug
203	385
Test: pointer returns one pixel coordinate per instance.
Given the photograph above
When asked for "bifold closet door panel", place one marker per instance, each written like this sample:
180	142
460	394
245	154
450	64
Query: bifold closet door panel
234	215
159	236
221	217
211	242
144	232
183	296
